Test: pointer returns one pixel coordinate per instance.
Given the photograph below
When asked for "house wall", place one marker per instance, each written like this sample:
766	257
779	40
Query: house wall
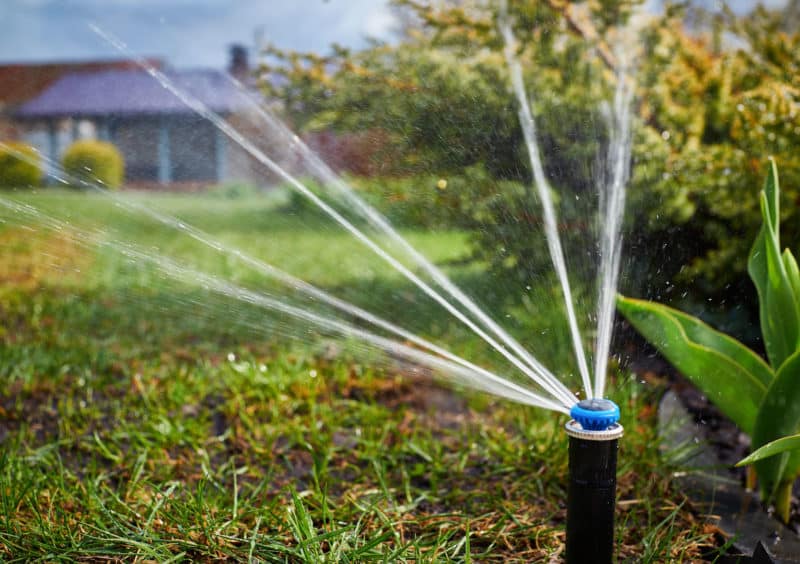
137	141
166	150
53	137
192	150
9	130
355	153
198	154
240	166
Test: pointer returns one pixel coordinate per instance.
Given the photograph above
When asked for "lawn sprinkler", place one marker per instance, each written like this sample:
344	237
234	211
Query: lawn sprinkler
593	435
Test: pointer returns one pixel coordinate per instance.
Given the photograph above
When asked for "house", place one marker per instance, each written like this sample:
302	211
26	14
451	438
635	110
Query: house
162	140
20	83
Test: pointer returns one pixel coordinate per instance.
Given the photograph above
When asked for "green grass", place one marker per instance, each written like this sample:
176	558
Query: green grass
148	419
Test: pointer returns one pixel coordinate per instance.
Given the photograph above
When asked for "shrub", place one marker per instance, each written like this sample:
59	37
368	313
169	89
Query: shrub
430	200
96	162
19	166
762	399
298	204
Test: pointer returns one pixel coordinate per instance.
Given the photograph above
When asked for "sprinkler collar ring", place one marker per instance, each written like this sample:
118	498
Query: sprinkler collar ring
575	429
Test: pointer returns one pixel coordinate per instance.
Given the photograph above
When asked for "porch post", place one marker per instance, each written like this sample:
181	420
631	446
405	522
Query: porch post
220	152
52	148
103	129
164	164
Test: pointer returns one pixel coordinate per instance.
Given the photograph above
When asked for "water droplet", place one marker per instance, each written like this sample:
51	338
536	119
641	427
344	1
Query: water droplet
312	373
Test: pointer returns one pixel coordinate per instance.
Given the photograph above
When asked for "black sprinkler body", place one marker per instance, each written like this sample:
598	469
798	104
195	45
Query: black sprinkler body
591	497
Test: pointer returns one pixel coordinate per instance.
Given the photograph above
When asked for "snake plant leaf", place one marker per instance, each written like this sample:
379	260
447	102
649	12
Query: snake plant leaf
778	301
731	375
779	416
793	274
780	446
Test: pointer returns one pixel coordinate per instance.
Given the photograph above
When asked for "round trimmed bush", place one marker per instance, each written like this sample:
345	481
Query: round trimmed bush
19	166
97	162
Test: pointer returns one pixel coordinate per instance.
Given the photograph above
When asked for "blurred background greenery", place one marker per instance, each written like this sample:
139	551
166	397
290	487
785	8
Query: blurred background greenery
717	92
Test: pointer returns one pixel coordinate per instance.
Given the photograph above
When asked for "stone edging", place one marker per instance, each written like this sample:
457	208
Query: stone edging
708	484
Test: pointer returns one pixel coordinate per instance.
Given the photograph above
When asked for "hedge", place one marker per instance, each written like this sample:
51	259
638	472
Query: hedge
97	162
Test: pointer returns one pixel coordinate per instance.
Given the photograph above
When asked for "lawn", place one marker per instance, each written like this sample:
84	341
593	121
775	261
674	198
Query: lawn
149	419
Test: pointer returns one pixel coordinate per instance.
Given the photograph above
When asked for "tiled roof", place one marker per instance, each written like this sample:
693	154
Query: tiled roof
131	92
21	81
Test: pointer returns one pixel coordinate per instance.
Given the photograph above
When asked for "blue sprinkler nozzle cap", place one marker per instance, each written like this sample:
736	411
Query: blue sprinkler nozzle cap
595	414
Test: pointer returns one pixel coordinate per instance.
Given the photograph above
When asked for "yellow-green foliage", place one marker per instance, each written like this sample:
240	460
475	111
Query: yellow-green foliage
708	112
19	166
97	162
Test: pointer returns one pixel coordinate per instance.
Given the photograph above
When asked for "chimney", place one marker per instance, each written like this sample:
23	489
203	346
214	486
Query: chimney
238	66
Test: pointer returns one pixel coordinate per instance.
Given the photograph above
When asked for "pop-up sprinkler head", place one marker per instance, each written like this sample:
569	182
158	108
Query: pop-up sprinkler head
595	414
593	434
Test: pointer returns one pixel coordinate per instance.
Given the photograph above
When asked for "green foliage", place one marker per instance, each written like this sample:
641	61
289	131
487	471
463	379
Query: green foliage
717	108
442	94
234	191
764	401
776	279
95	162
19	166
779	446
299	204
441	97
778	416
432	201
729	373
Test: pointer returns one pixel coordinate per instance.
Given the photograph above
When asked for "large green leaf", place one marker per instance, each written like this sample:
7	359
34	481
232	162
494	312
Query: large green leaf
780	446
774	279
731	375
793	275
779	416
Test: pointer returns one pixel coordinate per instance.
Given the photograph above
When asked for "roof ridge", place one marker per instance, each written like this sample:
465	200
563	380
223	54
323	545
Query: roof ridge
130	92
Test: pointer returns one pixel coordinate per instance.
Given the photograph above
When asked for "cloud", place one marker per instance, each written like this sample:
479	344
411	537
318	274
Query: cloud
185	32
380	22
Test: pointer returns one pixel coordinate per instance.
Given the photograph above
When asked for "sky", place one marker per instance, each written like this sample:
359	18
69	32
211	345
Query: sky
196	33
187	33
